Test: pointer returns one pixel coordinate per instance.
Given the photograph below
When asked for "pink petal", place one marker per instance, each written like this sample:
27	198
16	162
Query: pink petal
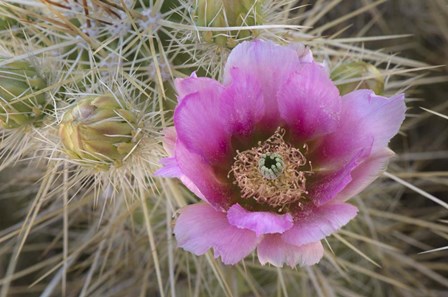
272	249
366	120
243	103
192	187
192	84
261	222
382	116
201	174
200	227
366	173
169	140
270	64
171	169
199	123
322	222
326	186
304	53
310	103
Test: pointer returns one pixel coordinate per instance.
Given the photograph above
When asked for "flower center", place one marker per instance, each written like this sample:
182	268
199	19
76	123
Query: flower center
272	173
271	165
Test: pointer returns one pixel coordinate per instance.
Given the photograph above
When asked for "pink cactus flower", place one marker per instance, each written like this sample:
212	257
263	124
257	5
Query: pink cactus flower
274	152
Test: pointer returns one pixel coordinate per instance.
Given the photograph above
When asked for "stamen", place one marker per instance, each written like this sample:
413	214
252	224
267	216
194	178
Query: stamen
273	173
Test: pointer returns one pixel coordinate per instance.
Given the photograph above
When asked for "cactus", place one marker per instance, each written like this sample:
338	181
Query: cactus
228	13
19	103
99	128
87	89
365	75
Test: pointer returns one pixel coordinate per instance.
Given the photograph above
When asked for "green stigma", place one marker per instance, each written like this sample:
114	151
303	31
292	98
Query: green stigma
271	165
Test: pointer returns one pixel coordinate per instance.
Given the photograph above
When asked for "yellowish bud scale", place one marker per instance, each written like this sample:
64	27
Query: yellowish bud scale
101	129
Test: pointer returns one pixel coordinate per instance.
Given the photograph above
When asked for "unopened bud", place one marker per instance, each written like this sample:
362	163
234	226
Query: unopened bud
18	103
228	13
361	75
99	128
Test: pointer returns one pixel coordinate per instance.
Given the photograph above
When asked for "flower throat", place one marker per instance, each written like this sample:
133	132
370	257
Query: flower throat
271	173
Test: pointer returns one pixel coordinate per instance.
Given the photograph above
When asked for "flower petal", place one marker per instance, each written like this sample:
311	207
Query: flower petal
202	175
366	173
326	186
261	222
310	103
382	117
169	140
192	187
200	227
304	53
192	84
365	117
269	63
171	169
199	124
243	103
272	249
320	223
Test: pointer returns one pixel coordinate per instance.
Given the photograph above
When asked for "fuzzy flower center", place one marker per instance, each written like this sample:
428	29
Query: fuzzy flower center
272	173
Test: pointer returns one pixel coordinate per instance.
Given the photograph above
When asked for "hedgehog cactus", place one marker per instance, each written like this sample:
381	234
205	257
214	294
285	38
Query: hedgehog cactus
89	93
99	128
228	13
19	105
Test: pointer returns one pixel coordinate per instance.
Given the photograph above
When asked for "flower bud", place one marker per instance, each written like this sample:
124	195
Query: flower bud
99	128
374	80
18	104
227	13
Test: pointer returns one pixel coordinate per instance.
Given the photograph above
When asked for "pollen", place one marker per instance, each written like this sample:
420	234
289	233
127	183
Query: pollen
272	173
